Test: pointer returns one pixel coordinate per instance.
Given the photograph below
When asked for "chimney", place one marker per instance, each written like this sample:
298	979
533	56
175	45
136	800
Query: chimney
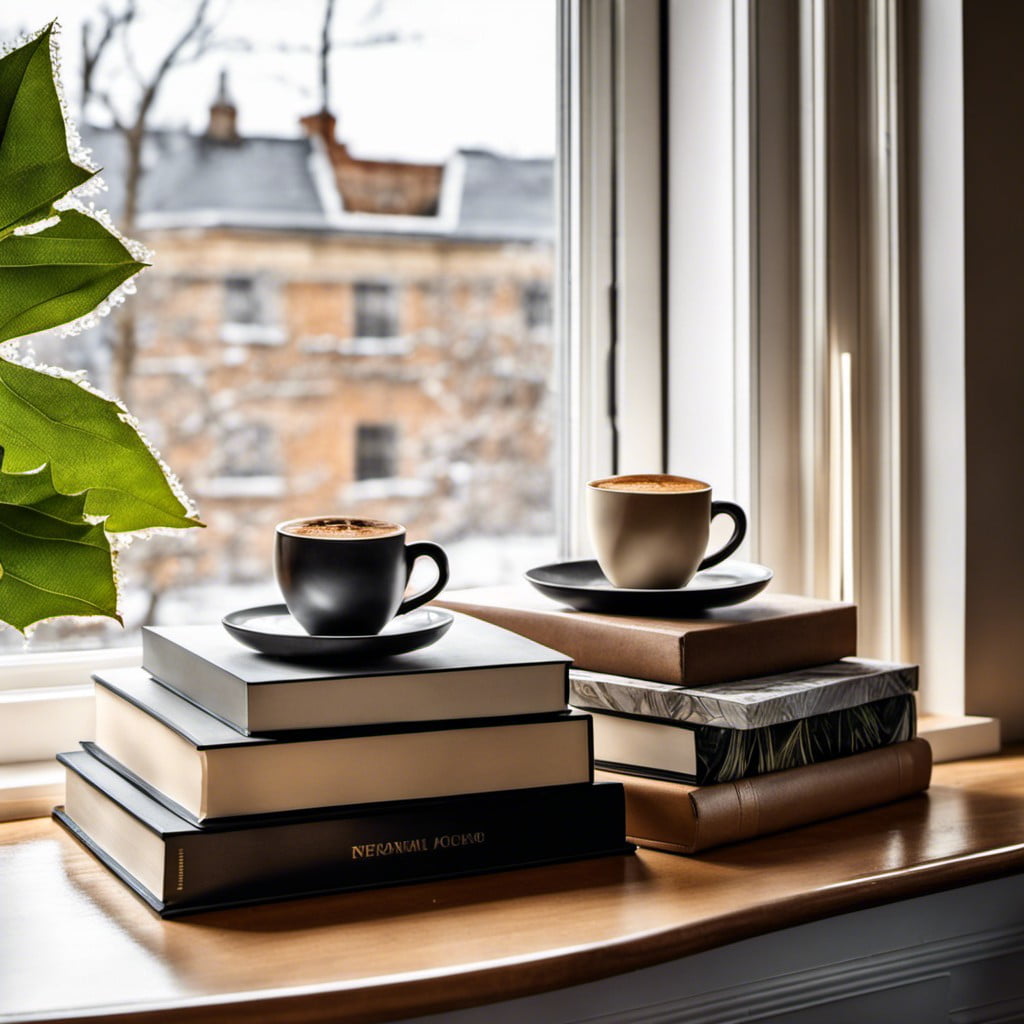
323	125
223	114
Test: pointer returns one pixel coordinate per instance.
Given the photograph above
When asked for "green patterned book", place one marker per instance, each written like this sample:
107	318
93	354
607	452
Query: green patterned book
704	754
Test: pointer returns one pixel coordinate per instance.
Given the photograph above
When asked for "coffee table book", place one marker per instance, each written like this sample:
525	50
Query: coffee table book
706	754
178	867
203	769
746	703
678	818
769	633
475	670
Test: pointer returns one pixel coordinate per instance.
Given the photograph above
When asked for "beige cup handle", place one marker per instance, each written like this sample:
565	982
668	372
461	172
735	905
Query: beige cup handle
739	518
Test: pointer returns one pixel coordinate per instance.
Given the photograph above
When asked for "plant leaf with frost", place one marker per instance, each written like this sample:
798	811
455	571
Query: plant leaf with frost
74	469
36	168
59	274
52	561
89	447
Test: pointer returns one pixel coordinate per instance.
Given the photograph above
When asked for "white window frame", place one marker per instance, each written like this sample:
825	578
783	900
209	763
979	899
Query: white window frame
809	406
610	283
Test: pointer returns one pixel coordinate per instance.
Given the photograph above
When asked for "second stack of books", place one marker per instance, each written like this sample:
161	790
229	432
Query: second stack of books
744	721
219	776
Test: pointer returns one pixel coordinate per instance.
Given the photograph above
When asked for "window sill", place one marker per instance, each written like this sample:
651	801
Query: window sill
958	737
252	334
31	789
380	488
262	486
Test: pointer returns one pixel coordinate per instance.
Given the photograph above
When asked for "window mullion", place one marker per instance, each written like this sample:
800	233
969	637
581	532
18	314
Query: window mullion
586	260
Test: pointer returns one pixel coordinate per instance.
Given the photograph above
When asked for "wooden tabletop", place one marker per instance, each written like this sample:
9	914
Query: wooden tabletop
75	942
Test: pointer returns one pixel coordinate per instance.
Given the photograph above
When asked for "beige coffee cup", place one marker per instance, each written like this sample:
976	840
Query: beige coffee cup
650	531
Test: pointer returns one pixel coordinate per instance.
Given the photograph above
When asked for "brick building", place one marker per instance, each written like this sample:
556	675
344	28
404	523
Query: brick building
321	333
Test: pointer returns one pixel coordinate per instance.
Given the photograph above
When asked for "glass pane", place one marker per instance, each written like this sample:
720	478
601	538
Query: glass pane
349	309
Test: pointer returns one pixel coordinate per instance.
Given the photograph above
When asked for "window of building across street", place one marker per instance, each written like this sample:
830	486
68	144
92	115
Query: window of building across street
376	450
376	310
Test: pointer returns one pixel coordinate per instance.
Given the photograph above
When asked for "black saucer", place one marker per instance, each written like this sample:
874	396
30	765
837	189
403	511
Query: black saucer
583	586
269	629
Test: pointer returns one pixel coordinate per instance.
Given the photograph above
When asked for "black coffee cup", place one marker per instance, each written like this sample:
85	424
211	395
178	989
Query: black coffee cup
346	576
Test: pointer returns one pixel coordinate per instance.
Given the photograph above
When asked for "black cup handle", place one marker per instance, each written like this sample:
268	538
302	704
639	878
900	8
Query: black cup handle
739	518
424	549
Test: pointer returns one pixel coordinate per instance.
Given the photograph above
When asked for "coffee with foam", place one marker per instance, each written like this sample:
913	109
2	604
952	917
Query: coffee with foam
349	576
343	529
652	484
650	530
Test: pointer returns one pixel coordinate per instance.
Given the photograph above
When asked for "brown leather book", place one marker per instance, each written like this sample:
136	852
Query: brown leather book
677	818
769	633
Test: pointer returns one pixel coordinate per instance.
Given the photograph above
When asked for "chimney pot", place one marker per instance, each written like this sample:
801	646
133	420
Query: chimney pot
223	123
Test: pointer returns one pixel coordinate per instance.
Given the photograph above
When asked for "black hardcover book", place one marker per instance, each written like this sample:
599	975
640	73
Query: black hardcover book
177	867
704	754
206	770
475	670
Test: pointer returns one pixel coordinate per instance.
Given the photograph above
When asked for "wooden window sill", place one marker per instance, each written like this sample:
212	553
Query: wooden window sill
433	948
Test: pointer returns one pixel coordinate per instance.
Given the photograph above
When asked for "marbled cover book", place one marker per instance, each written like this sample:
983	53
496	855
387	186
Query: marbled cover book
722	755
748	703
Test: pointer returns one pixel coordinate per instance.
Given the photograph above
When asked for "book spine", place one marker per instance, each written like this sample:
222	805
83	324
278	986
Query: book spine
678	818
406	844
726	754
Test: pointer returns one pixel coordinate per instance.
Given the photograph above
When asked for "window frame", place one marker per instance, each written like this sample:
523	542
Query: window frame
610	286
376	442
385	299
818	163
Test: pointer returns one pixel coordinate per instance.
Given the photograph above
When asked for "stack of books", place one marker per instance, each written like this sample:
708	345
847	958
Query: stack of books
218	776
747	720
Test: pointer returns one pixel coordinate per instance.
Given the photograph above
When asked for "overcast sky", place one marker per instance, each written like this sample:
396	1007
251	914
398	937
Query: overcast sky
469	73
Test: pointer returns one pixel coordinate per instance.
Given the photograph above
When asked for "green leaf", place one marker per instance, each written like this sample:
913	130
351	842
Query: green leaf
89	447
35	166
59	274
52	562
73	468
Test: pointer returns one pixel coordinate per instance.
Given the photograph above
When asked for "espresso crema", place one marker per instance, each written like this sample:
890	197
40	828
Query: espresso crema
342	529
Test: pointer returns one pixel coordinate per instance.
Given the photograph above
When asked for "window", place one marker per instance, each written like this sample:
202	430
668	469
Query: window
328	258
376	451
241	301
309	279
537	304
376	308
250	314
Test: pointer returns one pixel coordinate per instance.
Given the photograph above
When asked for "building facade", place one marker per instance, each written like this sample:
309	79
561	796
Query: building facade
323	334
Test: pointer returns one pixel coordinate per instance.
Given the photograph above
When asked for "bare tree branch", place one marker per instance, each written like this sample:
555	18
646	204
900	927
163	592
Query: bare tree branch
215	44
92	54
128	52
149	94
115	116
195	37
389	38
325	55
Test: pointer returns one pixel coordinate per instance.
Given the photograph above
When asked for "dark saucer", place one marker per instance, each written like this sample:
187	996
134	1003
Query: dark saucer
269	629
584	587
